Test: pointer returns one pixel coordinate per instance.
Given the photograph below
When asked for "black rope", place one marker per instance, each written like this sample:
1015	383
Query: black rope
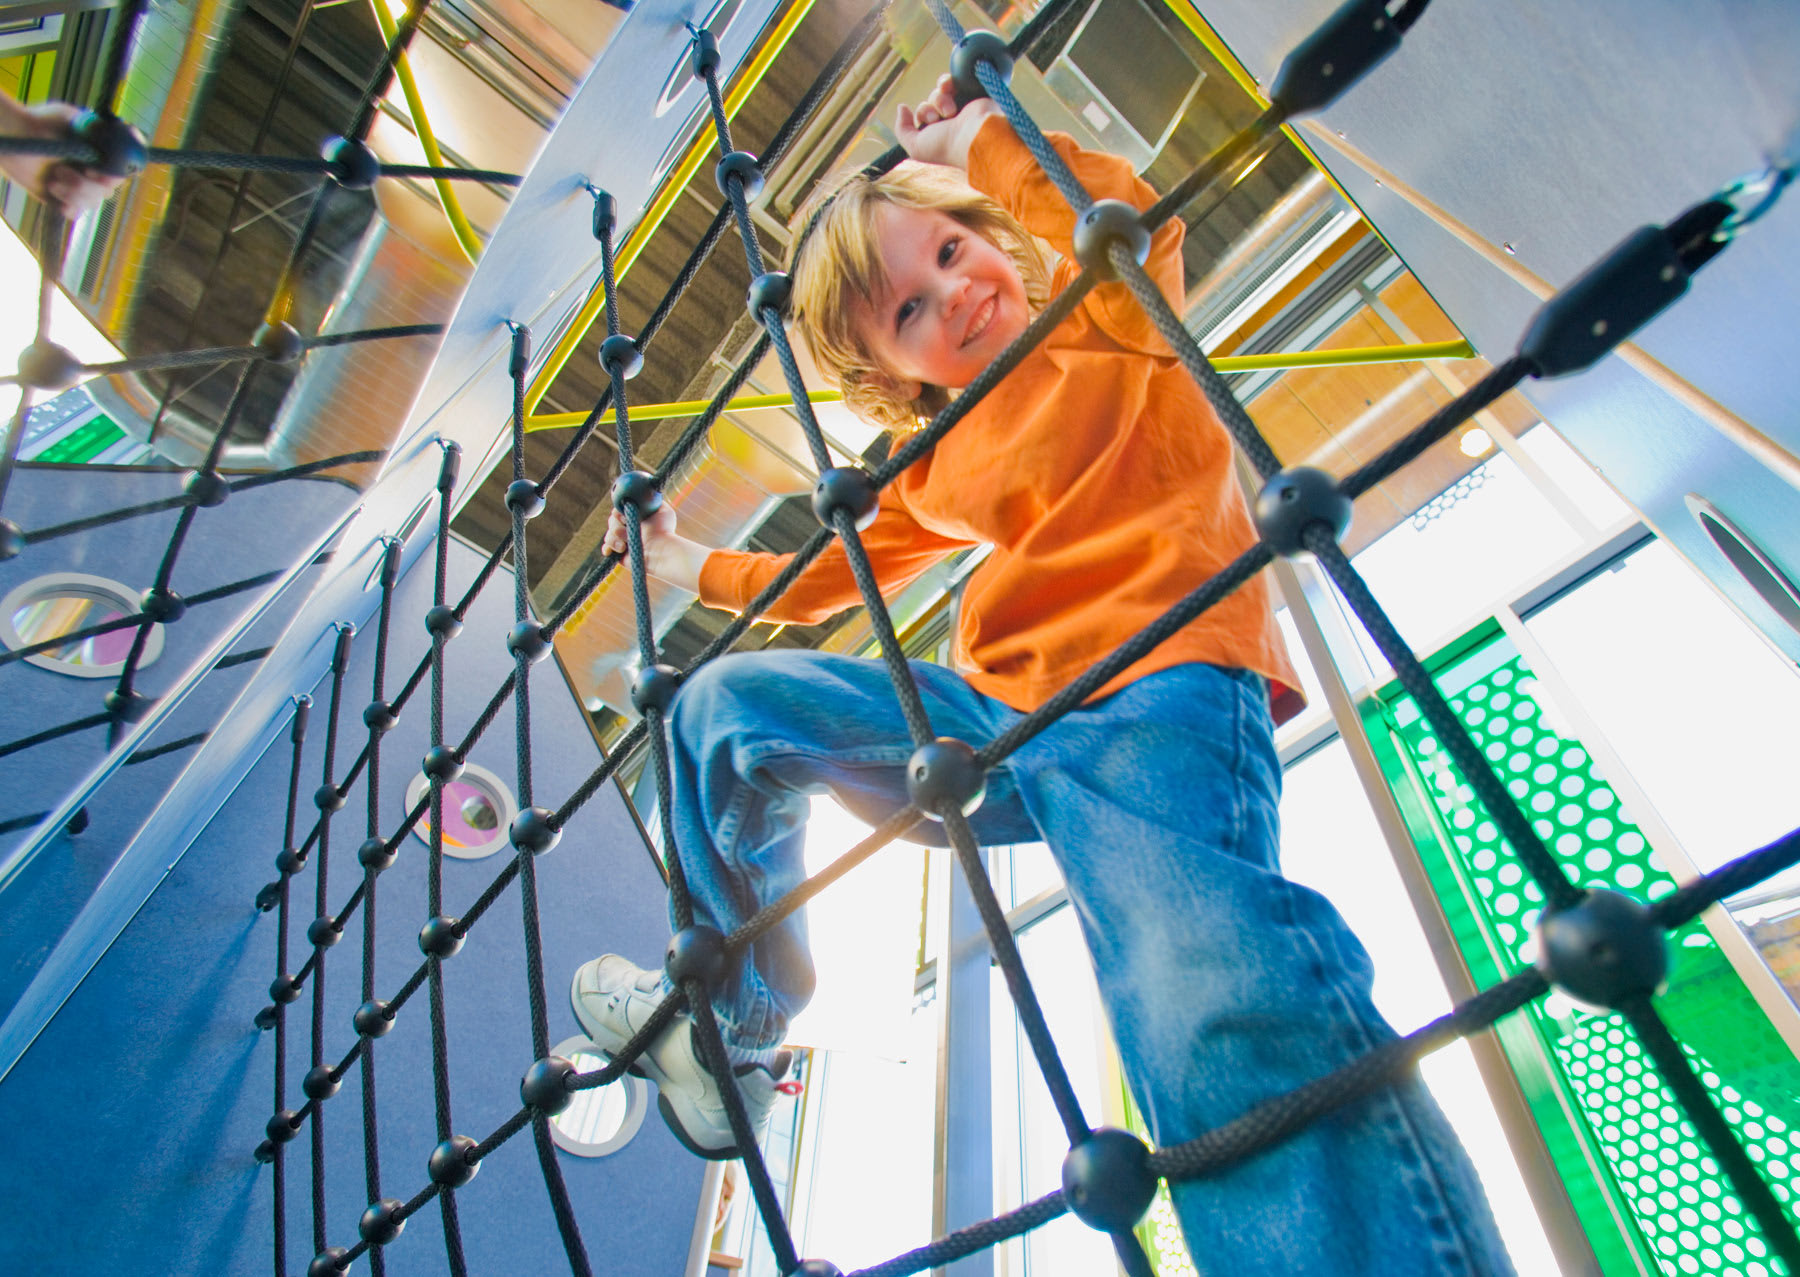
297	735
390	575
1678	1072
340	662
55	733
1545	870
121	29
389	333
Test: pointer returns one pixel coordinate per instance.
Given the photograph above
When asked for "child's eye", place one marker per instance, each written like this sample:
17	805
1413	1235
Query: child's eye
948	250
907	309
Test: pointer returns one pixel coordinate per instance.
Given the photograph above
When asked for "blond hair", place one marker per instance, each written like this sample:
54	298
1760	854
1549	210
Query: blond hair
836	261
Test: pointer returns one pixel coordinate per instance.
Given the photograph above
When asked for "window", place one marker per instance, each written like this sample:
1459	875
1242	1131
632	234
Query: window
60	603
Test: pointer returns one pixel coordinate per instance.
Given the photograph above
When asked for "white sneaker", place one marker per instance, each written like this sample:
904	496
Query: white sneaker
613	999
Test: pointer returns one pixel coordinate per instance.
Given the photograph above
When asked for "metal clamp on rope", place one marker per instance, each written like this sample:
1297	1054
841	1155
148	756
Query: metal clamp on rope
1622	292
1347	46
520	362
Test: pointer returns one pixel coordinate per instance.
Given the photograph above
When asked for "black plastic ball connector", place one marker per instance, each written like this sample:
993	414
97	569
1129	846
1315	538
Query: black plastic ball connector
371	1019
450	1166
353	165
44	365
330	1262
705	58
376	855
742	167
127	707
162	605
266	1019
318	1084
78	823
1344	48
122	149
265	1152
379	716
289	860
439	938
532	830
1294	500
620	357
441	764
637	488
545	1086
769	291
527	639
328	798
12	540
1107	1180
268	896
945	771
524	497
279	343
654	688
1105	223
207	488
382	1221
974	48
284	989
848	488
321	934
442	622
280	1128
1605	951
696	953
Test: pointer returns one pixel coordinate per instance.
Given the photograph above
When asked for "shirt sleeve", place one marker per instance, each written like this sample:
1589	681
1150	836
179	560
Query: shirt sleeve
1001	167
899	550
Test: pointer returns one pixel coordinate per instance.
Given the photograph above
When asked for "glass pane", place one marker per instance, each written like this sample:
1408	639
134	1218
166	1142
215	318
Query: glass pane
1463	550
1331	843
46	618
1029	1143
865	1174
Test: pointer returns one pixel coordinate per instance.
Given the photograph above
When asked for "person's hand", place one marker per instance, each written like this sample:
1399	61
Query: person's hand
656	531
68	188
937	131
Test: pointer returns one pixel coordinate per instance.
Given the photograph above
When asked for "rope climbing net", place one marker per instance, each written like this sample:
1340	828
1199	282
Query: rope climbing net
106	144
1603	947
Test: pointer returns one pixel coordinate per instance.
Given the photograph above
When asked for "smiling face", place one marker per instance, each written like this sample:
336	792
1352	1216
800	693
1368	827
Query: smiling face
951	302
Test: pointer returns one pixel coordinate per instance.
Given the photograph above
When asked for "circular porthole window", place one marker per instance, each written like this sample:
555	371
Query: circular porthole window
1772	585
58	603
478	808
602	1120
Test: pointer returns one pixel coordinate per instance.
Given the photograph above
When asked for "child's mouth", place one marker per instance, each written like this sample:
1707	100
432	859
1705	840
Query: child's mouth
984	315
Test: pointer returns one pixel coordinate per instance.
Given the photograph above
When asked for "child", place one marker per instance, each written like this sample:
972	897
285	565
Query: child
1104	484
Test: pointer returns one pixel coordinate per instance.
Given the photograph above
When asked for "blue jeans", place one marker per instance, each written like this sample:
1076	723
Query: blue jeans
1225	983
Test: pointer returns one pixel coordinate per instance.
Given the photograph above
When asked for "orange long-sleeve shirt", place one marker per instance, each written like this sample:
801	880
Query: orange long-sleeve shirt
1095	469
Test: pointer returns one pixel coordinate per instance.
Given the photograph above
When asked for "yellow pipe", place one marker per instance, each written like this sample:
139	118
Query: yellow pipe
1225	364
466	238
1349	355
740	88
683	408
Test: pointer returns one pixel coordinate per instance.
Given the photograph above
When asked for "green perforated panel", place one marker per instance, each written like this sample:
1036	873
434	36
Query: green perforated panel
1638	1154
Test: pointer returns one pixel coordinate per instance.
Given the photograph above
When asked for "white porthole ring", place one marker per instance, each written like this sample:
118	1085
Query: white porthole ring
78	587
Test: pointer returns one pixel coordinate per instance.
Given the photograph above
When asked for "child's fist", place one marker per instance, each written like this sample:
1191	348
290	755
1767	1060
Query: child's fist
937	131
68	188
654	530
